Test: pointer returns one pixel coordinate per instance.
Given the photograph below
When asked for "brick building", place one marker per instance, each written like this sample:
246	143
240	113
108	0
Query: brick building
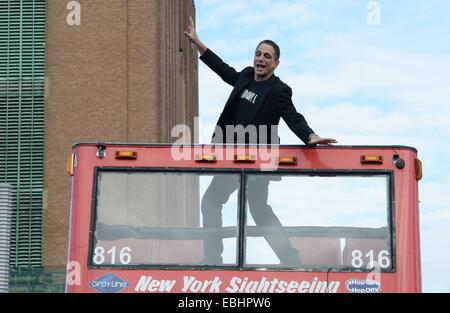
114	71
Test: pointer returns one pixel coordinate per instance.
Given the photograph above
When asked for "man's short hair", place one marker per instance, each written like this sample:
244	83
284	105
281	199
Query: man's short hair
274	45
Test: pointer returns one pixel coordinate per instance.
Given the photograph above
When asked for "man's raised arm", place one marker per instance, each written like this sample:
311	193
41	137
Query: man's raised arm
214	62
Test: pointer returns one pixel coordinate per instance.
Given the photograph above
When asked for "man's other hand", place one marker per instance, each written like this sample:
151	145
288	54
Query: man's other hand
317	140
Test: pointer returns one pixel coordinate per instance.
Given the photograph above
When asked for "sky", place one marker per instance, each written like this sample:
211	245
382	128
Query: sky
363	72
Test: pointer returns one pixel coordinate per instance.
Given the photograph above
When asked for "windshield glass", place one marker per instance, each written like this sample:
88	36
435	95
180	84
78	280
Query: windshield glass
148	218
317	222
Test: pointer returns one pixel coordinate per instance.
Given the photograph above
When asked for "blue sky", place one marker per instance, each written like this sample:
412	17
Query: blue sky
386	84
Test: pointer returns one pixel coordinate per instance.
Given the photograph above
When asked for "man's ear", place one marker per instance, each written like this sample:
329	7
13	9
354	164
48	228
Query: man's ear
277	62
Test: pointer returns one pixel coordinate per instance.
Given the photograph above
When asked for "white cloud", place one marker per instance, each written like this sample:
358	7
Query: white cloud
214	94
348	65
218	13
277	13
435	249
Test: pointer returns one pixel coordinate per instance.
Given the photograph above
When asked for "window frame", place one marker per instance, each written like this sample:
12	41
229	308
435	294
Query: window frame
389	174
93	219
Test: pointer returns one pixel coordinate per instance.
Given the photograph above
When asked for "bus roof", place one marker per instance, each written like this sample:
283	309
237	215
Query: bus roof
396	147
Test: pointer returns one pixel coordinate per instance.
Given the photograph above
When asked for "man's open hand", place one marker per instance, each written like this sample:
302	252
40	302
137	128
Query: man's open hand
191	33
317	140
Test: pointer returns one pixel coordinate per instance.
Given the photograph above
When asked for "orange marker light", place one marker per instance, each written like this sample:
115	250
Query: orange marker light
287	160
206	158
244	158
70	164
371	159
126	155
418	165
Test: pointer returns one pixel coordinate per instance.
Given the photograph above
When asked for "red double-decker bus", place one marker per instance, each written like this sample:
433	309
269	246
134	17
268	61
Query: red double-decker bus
348	213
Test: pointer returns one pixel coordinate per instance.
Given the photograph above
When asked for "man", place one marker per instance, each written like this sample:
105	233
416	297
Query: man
259	98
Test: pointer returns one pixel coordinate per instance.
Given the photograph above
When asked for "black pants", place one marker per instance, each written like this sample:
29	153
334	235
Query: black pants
217	195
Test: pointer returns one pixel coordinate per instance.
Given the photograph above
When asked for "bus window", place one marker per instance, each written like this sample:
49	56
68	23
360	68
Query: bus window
311	221
147	218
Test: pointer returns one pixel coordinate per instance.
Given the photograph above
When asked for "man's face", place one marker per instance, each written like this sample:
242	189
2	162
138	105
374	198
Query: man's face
264	61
